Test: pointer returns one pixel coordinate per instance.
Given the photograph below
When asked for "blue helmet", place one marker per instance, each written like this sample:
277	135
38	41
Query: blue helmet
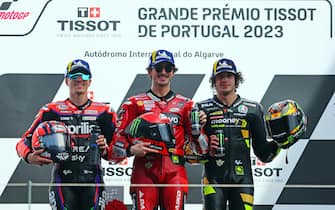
159	56
78	66
223	65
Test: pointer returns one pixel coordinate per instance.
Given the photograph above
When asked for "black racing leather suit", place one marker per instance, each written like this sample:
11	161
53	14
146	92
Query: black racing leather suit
80	122
242	125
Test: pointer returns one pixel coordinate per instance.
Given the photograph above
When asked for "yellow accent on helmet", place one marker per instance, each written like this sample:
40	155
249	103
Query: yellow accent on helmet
214	67
69	66
291	109
276	115
286	122
153	56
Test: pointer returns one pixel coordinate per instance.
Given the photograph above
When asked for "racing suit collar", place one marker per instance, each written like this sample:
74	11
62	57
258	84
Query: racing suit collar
81	107
220	103
170	95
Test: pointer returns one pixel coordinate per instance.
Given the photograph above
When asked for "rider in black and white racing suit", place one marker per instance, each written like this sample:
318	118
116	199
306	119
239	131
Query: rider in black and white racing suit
233	126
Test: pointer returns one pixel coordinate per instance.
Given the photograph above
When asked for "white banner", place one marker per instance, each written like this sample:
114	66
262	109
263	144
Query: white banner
264	38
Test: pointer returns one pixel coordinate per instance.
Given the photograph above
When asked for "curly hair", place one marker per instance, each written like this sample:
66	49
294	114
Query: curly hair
239	79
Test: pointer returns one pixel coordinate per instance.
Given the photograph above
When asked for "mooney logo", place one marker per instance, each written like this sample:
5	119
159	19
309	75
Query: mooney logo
20	22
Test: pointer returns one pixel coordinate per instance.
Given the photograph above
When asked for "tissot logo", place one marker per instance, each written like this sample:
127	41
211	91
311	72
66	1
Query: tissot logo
88	20
18	17
91	12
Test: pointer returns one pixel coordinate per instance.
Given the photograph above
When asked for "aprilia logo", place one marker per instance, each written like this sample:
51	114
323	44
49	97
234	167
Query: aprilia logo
83	128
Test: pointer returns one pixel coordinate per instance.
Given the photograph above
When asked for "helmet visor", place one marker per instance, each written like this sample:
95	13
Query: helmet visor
284	126
158	132
79	74
55	143
165	132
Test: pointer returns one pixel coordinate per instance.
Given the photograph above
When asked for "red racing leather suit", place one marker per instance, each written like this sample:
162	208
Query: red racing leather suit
80	121
154	168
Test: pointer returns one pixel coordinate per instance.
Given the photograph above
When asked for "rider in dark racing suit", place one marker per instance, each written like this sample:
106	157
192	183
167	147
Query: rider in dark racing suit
81	121
239	124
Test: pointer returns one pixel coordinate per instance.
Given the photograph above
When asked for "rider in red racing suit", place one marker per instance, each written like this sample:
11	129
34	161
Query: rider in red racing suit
150	167
80	120
155	168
